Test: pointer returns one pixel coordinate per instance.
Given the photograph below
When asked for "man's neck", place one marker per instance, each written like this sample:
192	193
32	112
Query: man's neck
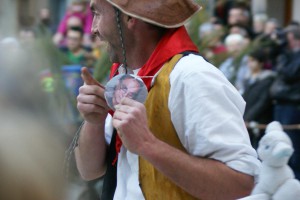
143	45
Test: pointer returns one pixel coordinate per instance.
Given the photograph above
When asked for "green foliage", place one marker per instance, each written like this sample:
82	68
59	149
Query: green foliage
48	60
102	67
193	25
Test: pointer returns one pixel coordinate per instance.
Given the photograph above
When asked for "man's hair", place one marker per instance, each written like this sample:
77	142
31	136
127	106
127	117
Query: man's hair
77	29
258	54
244	7
161	30
234	38
295	30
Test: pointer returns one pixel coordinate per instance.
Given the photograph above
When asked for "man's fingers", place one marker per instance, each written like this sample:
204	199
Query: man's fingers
91	108
123	108
92	99
91	90
117	124
88	78
129	102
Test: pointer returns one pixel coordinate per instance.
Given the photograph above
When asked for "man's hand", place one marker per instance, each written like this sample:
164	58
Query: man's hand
130	120
91	101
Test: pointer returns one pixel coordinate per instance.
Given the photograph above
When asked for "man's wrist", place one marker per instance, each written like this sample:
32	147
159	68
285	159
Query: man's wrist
148	148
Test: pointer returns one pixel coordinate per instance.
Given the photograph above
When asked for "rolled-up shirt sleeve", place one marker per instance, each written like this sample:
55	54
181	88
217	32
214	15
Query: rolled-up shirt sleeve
207	113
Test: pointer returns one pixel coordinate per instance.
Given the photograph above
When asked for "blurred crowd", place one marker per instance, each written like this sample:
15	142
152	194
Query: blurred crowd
261	59
258	56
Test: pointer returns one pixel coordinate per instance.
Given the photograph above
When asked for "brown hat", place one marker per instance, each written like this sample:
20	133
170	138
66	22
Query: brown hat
164	13
78	1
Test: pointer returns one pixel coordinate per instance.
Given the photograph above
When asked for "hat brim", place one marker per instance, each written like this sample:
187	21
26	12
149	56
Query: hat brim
162	18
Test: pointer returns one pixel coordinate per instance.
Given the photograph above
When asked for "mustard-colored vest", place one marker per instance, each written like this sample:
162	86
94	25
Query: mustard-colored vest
155	185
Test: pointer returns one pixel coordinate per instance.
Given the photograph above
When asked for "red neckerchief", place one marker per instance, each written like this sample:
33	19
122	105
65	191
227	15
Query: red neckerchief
175	41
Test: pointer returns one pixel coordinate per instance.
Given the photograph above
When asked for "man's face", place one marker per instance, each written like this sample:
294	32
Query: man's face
234	47
104	26
74	21
44	13
270	27
128	87
235	16
253	64
293	42
74	40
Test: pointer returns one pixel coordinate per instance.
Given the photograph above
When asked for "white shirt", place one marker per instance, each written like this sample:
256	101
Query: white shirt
207	113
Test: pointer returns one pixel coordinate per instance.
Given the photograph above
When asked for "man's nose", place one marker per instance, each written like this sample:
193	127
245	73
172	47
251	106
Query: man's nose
94	28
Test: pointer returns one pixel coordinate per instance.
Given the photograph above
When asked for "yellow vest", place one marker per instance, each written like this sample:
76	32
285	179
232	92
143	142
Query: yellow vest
155	185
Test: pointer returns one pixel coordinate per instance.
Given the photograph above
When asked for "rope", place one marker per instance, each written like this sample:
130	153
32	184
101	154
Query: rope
70	151
121	38
287	127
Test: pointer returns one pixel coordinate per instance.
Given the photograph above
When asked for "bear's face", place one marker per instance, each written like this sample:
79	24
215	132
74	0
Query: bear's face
274	153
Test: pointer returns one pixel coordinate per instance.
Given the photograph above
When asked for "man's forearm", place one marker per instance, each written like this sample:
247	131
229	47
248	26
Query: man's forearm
201	177
90	153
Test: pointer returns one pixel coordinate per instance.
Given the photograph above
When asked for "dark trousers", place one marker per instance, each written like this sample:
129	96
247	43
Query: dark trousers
290	114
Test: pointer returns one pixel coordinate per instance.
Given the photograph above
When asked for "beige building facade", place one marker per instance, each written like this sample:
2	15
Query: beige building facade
19	14
284	11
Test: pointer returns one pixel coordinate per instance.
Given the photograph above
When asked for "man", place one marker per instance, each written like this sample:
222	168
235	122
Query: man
74	49
285	91
44	26
189	140
238	14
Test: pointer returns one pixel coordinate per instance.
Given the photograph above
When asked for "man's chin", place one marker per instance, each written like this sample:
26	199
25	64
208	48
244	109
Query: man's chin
112	55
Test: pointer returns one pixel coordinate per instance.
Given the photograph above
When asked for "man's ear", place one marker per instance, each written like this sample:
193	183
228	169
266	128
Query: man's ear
130	21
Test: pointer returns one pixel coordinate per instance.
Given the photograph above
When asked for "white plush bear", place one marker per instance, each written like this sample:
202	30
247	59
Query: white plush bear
276	179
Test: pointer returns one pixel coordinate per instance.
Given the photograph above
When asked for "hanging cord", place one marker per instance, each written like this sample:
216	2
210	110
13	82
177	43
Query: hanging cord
70	151
121	38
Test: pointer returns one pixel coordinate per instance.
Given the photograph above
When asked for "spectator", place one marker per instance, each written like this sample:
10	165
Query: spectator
74	21
259	23
242	30
285	92
205	29
271	25
80	9
239	13
239	16
75	51
256	94
272	40
211	45
44	25
221	10
235	66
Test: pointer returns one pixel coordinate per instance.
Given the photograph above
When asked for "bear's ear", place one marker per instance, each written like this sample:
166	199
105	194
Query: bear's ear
274	126
282	150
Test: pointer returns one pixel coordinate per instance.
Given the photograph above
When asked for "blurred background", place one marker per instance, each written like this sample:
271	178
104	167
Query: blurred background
45	43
